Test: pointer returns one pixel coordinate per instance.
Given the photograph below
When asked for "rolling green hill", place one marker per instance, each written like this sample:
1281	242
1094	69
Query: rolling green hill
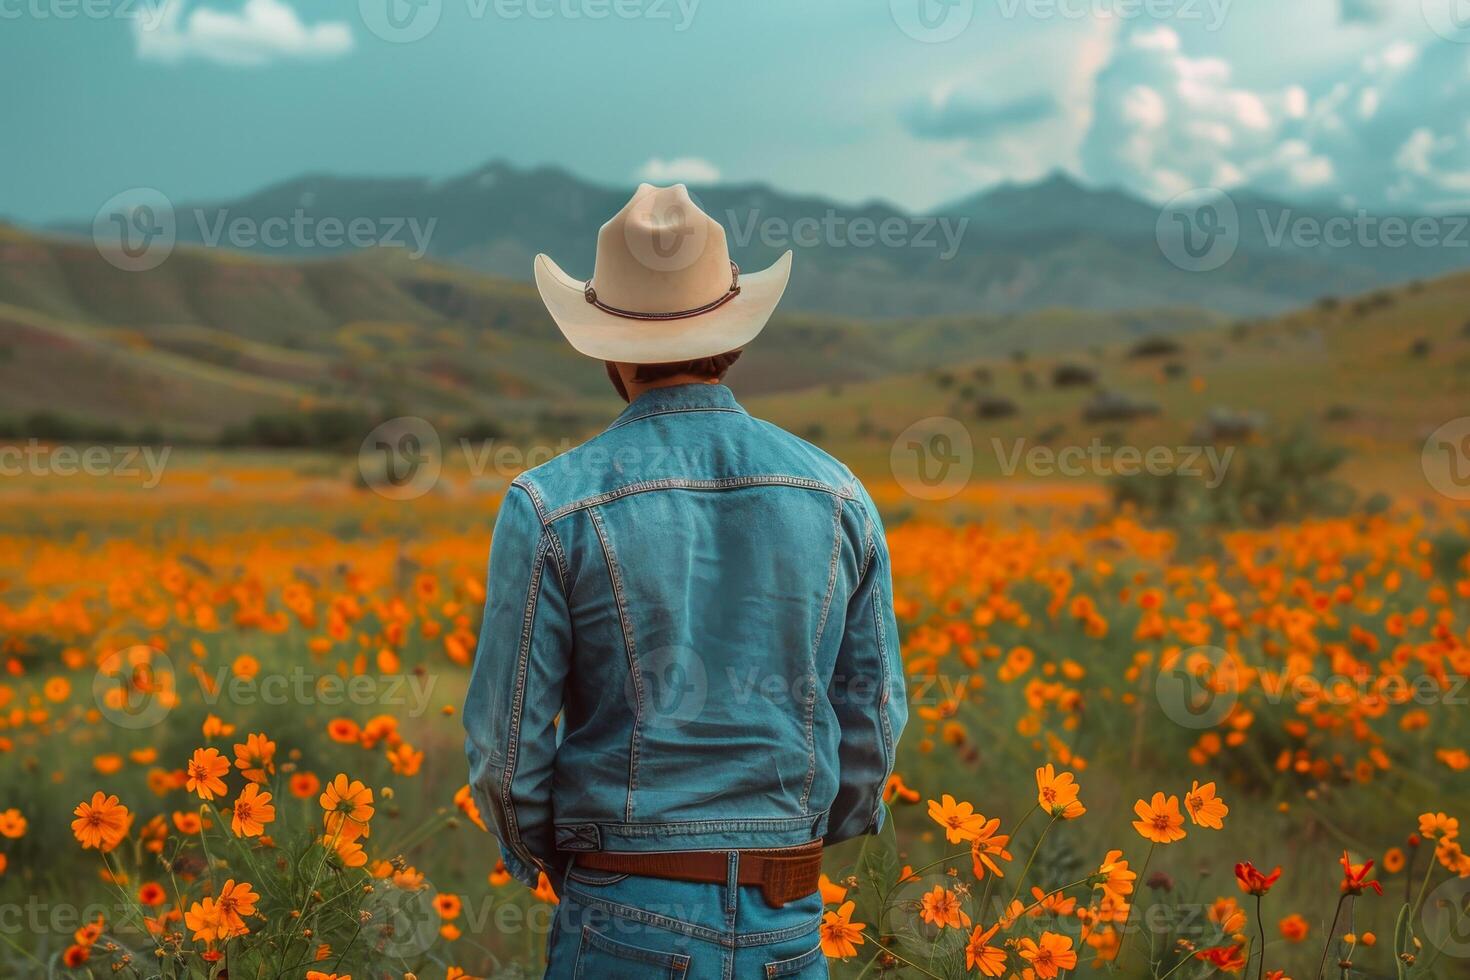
212	338
1375	374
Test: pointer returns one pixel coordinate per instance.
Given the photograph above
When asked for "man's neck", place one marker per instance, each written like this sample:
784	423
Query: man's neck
636	389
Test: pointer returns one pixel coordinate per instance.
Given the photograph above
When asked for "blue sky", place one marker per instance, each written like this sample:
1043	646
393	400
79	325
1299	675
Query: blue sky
914	101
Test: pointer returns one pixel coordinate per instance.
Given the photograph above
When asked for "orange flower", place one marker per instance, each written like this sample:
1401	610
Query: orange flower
1119	881
1049	956
205	768
1252	882
349	851
348	806
959	820
255	757
1434	825
1205	808
448	906
1160	820
235	902
12	824
1293	928
840	935
988	843
941	907
151	893
405	760
831	894
1057	793
305	785
1354	877
203	919
102	823
543	891
252	811
980	955
465	800
343	730
1230	959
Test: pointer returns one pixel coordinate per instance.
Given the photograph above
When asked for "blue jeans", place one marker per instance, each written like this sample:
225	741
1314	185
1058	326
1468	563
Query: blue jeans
627	927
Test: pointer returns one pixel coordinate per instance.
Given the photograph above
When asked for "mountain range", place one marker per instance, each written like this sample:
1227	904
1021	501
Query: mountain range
1010	248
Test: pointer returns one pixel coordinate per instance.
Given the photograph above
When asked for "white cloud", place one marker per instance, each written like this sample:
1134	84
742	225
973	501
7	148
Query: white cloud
260	32
679	170
1391	129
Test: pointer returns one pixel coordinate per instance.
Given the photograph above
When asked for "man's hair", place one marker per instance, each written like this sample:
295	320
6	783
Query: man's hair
703	367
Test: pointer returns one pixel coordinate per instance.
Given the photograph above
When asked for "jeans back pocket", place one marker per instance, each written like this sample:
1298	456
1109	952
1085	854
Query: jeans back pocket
603	958
811	965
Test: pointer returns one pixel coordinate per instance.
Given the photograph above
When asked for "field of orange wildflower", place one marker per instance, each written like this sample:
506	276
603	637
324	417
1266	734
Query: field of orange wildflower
231	745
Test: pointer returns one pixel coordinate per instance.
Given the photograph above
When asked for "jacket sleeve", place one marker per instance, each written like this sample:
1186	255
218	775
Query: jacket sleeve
867	690
515	689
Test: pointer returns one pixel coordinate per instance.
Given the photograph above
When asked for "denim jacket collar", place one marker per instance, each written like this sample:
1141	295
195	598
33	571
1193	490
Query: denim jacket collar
695	397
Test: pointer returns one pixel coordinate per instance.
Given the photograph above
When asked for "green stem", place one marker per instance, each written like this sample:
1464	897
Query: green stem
1423	888
1327	946
914	873
1143	883
1261	929
902	959
1036	848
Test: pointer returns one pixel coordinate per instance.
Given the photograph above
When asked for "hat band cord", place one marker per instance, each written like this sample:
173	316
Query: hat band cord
591	296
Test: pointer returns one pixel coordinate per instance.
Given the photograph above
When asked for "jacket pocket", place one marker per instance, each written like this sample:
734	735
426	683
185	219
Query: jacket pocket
811	965
602	958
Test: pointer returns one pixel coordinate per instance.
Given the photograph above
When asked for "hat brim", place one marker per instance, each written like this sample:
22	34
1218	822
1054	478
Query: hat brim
609	337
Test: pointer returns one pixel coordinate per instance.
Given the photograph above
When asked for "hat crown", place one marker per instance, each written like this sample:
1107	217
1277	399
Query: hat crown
661	254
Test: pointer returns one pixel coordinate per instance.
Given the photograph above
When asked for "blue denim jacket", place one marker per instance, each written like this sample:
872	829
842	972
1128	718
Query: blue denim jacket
706	602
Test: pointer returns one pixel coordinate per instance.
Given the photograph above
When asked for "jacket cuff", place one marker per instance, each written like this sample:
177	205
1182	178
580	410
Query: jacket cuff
519	870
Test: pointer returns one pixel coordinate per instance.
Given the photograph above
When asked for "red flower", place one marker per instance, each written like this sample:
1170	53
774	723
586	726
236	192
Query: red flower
1252	882
1227	958
1353	876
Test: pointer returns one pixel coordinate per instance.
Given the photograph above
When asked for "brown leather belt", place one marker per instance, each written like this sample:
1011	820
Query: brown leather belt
784	875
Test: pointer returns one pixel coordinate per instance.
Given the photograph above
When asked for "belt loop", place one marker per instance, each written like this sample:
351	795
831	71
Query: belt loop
732	881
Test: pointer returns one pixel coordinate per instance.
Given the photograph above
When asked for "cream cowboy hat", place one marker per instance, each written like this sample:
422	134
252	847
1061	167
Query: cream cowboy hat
663	287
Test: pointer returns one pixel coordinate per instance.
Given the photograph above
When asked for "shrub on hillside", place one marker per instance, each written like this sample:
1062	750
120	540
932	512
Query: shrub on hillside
1258	484
322	428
